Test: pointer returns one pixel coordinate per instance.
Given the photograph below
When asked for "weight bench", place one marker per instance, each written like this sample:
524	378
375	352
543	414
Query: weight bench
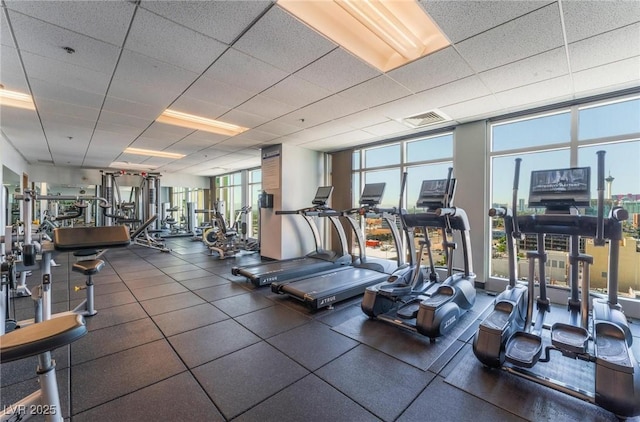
40	339
141	236
89	239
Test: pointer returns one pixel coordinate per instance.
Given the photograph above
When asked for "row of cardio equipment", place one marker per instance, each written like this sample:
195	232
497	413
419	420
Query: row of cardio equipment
428	301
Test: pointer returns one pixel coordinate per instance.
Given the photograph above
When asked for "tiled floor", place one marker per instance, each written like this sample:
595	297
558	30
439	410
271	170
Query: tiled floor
178	338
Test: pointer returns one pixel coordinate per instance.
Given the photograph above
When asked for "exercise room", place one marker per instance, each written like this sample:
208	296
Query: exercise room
320	210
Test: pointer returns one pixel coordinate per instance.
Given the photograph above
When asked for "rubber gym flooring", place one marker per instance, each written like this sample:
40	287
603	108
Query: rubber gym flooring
178	338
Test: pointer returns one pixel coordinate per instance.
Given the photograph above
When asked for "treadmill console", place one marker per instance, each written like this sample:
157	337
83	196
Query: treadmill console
560	189
372	194
434	195
322	195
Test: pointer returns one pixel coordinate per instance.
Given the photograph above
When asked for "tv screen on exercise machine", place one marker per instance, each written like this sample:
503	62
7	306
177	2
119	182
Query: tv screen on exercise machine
560	187
372	193
433	193
322	195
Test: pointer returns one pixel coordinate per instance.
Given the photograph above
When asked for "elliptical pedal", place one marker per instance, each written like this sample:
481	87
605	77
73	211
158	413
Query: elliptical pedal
409	310
569	338
523	349
611	347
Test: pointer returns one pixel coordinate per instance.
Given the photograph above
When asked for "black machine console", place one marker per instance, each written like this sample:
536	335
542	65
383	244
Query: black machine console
322	195
436	194
372	194
560	188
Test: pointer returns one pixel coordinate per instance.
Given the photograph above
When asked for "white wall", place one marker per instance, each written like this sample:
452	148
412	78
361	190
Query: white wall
12	160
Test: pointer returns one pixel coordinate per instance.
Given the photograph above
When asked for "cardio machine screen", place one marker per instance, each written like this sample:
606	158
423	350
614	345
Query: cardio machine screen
372	193
322	195
433	193
560	187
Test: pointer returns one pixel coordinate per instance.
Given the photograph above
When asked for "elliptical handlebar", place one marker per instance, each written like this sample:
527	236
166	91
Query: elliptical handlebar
599	239
447	189
514	200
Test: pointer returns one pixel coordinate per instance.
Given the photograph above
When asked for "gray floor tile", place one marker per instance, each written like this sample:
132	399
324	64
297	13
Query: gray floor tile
172	323
116	315
221	291
114	339
121	373
153	292
443	402
182	267
270	372
312	345
369	376
310	400
155	280
272	320
190	275
178	398
204	282
135	273
242	304
213	341
171	303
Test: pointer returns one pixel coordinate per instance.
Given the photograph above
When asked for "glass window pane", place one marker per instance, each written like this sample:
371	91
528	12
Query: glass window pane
430	149
382	156
236	178
392	189
356	160
501	195
609	120
544	130
255	176
622	188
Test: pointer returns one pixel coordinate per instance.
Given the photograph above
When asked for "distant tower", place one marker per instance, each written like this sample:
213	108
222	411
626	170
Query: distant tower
609	181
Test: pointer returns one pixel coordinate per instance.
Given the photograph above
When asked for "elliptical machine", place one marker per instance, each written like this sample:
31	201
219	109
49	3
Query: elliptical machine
410	299
512	339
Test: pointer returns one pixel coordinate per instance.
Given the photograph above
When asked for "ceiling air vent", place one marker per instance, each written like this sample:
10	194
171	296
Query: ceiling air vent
425	119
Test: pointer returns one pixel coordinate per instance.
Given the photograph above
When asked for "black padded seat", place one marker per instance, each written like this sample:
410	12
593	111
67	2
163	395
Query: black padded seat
76	238
41	337
89	266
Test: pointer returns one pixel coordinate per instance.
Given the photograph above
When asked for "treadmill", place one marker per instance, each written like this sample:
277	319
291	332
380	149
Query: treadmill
314	262
325	289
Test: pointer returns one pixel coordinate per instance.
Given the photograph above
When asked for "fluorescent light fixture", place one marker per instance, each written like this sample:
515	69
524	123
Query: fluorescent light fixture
190	121
124	165
16	99
384	33
152	153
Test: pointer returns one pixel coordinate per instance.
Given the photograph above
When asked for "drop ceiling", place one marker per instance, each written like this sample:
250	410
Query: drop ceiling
252	64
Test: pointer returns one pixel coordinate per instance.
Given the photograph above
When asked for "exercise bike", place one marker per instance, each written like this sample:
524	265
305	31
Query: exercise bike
419	302
514	336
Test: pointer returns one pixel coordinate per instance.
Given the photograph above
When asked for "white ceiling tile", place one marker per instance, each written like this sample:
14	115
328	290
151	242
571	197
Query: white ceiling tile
167	41
388	128
376	91
337	70
124	120
25	128
104	20
266	107
436	69
584	19
338	142
462	19
156	144
256	136
540	93
65	74
473	109
548	65
126	132
52	107
105	141
296	91
278	128
242	118
11	73
46	40
5	32
610	77
496	47
452	93
363	119
240	143
163	131
46	89
238	69
327	109
217	92
606	48
200	136
283	41
197	107
222	20
139	110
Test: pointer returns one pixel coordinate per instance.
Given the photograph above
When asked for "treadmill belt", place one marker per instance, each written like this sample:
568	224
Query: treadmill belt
334	281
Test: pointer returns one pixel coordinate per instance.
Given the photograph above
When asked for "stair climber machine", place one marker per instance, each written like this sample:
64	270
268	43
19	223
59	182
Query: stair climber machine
512	339
318	260
324	289
422	302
